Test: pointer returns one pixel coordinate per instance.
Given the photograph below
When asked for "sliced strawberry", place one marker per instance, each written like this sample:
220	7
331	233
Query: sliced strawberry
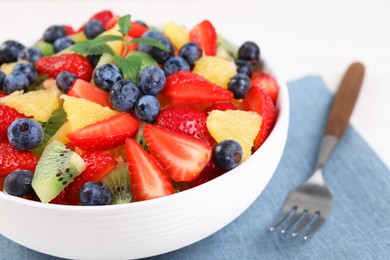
113	21
210	172
223	106
106	134
99	164
267	83
256	100
2	94
205	36
7	116
186	88
86	90
12	159
104	17
184	120
69	30
75	63
183	157
148	180
137	30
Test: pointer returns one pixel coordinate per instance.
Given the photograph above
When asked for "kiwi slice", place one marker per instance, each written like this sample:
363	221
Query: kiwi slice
146	59
45	47
119	182
56	168
50	128
139	137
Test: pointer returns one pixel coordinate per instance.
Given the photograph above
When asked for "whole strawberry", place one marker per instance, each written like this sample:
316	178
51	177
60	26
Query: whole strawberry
74	63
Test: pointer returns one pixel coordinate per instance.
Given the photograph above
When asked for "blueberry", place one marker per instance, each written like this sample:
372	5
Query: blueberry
28	70
175	64
95	194
141	23
18	183
123	95
93	28
244	66
62	43
106	75
160	55
30	54
2	77
9	51
65	80
150	34
227	154
249	51
25	133
53	33
191	52
94	59
239	84
151	80
147	108
15	81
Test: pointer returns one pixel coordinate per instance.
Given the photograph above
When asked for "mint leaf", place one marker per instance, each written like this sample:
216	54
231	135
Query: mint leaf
151	42
129	66
95	46
124	24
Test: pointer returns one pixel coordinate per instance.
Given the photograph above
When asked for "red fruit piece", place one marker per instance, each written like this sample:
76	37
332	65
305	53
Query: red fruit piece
104	17
186	88
223	106
2	183
136	30
205	36
267	83
99	164
75	63
69	30
148	180
86	90
2	94
210	172
256	100
7	116
184	120
12	159
183	157
106	134
113	21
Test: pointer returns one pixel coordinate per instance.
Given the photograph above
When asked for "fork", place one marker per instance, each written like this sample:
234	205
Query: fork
310	203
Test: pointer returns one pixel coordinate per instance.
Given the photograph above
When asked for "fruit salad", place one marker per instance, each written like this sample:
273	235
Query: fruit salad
119	111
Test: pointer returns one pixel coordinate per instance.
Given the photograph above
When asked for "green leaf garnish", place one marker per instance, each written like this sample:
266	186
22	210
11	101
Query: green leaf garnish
124	24
96	46
130	66
151	42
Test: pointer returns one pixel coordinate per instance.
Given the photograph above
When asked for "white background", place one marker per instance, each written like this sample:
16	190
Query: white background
298	37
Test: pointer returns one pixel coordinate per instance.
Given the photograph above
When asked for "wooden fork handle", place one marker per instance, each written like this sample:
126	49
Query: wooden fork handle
344	100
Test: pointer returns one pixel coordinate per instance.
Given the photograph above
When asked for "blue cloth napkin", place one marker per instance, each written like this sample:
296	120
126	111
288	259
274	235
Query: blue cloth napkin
358	226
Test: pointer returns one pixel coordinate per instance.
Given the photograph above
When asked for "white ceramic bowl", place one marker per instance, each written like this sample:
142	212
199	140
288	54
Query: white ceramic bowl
151	227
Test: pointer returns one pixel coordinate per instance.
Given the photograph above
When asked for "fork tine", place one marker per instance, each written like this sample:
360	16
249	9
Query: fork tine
315	225
298	214
302	225
280	219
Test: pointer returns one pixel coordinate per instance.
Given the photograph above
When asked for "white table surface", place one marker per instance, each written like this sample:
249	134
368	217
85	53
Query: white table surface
298	37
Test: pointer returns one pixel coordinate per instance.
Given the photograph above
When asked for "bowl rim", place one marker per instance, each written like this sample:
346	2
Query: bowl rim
135	205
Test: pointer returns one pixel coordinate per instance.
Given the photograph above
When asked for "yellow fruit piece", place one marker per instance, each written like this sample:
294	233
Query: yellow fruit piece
8	67
39	104
238	125
61	133
117	46
81	112
215	69
78	37
177	34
